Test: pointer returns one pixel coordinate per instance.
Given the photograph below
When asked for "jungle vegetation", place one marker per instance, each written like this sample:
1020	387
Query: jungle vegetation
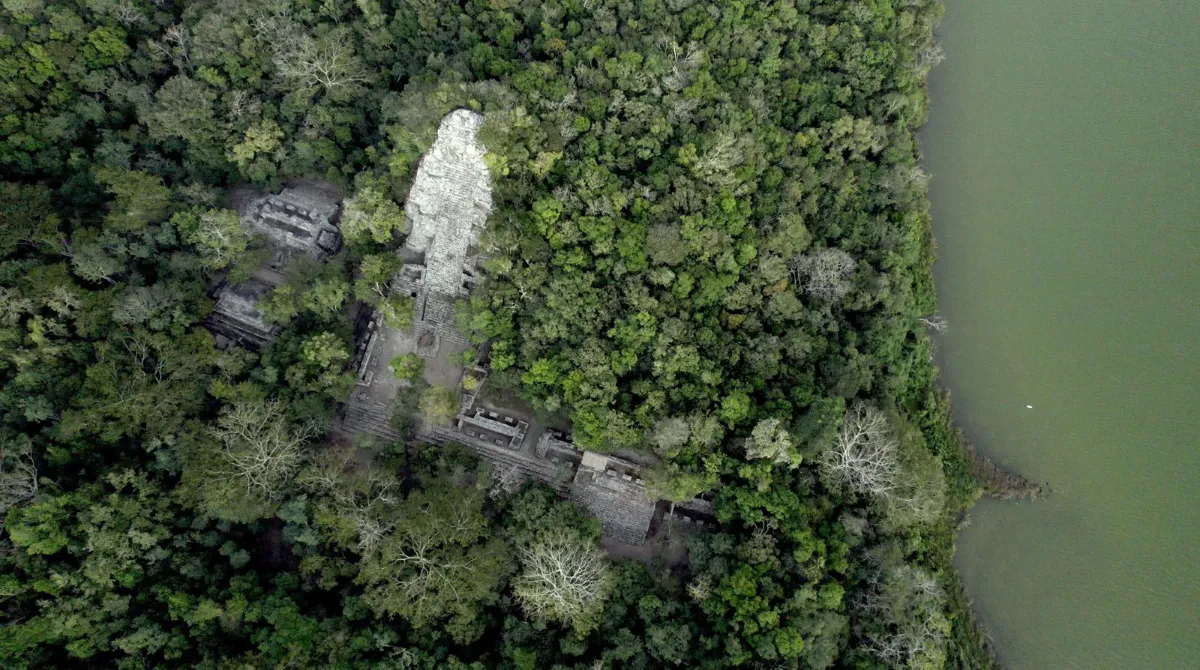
710	239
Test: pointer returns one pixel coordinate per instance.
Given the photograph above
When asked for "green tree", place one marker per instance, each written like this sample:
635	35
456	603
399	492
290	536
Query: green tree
438	563
321	367
769	440
439	405
408	367
218	235
372	215
374	287
139	198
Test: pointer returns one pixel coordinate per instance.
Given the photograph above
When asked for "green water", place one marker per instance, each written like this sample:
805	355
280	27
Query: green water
1064	143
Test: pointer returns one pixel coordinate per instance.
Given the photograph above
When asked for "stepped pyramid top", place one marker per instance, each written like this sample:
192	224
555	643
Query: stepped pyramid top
449	202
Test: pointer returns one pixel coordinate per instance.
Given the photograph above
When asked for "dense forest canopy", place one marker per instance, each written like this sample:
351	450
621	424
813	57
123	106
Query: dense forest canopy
709	241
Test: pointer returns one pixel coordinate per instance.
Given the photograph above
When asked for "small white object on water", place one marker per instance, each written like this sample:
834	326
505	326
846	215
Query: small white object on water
1029	407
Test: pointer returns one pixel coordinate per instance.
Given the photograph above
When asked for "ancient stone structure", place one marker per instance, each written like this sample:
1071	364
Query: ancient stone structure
449	203
448	206
613	491
235	318
300	220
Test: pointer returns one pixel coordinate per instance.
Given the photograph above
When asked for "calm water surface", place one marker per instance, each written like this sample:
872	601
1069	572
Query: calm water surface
1064	141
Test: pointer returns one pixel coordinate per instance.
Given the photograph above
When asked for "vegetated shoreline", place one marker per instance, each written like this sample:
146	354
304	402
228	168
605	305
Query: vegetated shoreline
970	645
786	578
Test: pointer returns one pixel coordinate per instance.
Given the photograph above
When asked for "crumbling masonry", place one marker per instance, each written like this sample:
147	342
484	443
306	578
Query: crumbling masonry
299	221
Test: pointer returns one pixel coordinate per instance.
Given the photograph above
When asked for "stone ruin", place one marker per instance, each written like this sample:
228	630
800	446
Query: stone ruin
236	317
299	221
609	487
448	204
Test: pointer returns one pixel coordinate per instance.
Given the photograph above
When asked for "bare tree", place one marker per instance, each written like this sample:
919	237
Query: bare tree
259	450
174	46
436	561
723	153
825	274
563	578
301	59
505	479
930	57
935	322
700	589
684	62
328	62
18	472
865	455
242	103
908	628
126	13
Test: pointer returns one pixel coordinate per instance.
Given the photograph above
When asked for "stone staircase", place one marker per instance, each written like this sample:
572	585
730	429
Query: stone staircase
622	516
439	313
236	331
371	418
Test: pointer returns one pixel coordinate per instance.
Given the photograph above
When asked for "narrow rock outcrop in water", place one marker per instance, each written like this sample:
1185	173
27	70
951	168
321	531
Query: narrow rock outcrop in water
1001	483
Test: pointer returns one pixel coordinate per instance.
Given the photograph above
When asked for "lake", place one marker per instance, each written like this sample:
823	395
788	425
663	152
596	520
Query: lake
1064	144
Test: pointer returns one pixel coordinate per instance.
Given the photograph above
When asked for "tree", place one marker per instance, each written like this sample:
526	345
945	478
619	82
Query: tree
902	607
319	289
218	235
437	562
183	108
563	578
328	61
439	405
824	274
23	10
871	458
362	499
97	257
259	152
321	367
669	435
408	367
374	287
770	440
935	322
140	198
18	471
259	451
865	454
371	214
670	482
376	272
